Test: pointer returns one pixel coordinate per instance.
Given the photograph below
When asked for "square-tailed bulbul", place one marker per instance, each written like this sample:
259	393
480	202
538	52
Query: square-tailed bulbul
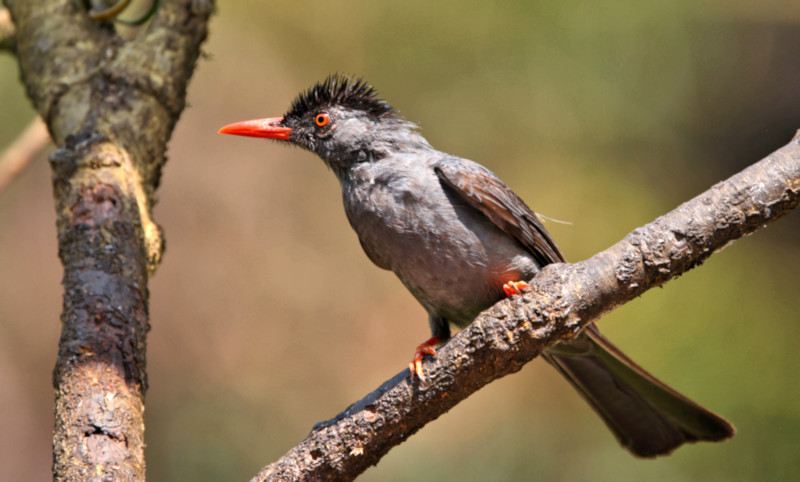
460	240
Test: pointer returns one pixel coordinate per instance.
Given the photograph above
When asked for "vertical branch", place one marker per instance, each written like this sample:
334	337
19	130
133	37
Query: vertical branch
110	105
100	376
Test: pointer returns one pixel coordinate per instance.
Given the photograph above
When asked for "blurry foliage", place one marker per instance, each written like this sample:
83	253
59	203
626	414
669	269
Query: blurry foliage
267	317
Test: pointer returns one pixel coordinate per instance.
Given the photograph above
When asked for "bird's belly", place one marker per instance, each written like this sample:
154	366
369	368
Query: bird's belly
452	258
458	292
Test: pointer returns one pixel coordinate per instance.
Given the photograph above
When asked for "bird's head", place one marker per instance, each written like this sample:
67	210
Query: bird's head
341	119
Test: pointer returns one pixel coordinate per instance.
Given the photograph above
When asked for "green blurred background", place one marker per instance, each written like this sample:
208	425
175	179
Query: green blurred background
267	317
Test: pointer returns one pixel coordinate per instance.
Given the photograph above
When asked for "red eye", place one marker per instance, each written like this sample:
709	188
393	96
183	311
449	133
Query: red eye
322	119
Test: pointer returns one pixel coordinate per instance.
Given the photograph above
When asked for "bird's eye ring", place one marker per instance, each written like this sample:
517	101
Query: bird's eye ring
322	119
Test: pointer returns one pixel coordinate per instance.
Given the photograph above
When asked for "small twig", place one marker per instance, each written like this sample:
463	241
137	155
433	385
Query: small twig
8	33
110	13
151	10
20	153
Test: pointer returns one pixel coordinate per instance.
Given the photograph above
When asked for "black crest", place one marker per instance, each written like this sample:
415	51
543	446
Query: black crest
342	91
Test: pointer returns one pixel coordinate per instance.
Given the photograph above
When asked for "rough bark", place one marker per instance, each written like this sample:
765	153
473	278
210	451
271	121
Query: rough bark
564	298
110	104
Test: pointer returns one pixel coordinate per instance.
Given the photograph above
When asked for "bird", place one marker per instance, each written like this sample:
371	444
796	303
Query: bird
460	240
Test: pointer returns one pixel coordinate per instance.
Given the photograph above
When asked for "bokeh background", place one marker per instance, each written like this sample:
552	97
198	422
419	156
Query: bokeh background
267	317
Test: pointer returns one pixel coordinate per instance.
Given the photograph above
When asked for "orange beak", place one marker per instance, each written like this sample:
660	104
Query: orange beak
269	128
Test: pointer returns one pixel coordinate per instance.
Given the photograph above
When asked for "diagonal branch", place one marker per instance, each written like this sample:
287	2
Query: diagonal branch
21	152
564	299
112	129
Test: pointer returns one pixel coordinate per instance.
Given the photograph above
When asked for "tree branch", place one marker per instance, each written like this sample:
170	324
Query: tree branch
564	299
111	105
19	154
8	34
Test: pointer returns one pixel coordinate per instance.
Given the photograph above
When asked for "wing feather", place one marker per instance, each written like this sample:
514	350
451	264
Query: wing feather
484	191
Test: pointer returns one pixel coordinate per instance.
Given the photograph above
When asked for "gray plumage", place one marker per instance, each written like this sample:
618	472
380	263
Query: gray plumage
454	234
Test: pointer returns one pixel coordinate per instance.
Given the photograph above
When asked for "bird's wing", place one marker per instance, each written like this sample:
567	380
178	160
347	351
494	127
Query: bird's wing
484	191
647	416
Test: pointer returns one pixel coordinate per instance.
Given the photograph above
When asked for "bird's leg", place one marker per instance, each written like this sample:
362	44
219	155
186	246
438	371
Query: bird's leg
515	287
427	347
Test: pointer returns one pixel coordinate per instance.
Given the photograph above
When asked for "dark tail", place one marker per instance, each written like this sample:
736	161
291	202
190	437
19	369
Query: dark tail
647	417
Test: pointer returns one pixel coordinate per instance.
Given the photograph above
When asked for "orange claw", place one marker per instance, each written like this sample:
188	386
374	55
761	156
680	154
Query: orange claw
425	348
515	287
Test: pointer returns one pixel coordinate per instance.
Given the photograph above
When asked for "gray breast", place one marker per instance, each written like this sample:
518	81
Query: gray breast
449	255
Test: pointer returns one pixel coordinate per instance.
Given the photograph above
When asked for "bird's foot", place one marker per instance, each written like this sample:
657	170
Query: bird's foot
515	287
425	348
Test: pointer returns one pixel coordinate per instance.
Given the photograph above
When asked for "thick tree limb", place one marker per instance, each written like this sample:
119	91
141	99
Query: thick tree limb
565	297
111	105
